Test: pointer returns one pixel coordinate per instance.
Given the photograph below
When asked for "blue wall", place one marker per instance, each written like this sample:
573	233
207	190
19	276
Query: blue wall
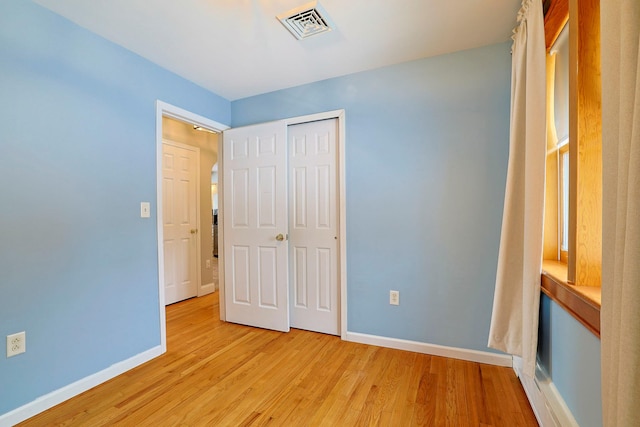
571	356
78	267
426	158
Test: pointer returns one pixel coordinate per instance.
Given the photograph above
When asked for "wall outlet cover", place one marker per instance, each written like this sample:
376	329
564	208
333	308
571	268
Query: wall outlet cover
16	344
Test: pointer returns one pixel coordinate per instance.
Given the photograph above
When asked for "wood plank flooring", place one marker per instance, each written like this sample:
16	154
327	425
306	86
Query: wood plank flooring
221	374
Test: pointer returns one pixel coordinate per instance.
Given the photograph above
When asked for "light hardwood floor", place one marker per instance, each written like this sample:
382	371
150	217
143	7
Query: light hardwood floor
221	374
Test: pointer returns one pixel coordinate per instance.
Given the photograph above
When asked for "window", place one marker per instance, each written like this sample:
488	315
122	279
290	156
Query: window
557	203
573	201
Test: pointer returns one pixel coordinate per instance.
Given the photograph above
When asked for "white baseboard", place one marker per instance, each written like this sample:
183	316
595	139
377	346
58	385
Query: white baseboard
207	289
49	400
433	349
547	403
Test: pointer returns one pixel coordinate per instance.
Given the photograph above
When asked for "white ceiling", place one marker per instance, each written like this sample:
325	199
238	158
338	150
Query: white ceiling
237	48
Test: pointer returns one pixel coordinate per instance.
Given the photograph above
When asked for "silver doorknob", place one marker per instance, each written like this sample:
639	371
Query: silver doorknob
280	237
193	231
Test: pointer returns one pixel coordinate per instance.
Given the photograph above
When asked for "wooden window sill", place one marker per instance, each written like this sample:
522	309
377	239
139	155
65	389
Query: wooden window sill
582	302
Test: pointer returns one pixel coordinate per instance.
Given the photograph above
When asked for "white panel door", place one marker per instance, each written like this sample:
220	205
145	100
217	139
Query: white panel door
313	226
179	213
255	226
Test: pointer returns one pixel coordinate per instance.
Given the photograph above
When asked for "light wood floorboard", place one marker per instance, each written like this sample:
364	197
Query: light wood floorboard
222	374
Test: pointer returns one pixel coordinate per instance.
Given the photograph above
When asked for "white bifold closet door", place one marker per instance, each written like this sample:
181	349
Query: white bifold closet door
313	227
255	226
280	226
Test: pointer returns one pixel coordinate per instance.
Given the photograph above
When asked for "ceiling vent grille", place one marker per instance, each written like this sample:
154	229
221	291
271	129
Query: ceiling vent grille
306	21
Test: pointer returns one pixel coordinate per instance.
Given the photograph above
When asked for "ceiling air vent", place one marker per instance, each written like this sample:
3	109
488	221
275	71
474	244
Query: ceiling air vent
306	21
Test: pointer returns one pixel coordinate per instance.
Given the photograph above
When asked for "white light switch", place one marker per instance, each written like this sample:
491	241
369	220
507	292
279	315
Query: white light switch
145	210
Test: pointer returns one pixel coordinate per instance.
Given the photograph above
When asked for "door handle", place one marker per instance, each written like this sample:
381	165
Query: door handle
193	230
280	237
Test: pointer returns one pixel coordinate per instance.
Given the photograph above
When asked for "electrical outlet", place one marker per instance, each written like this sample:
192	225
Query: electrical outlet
394	297
207	263
16	344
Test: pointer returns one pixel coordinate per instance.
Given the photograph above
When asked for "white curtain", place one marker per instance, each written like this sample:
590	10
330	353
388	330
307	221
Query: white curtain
620	313
514	322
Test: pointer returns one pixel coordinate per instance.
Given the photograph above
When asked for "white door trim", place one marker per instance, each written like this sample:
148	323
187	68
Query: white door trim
165	109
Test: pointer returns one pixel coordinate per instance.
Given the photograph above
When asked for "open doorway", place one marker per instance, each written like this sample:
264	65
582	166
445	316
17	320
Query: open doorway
189	154
214	226
182	128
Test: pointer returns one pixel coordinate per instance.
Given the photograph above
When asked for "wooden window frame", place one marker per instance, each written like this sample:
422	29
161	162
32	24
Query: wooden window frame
563	254
575	285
